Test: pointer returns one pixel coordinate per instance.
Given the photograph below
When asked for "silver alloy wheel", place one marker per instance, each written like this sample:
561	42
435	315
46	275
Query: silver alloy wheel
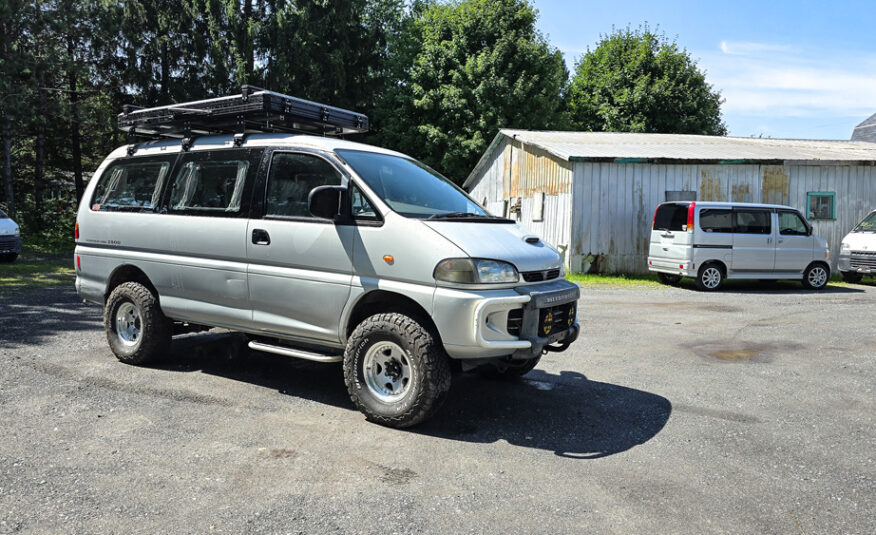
817	277
387	371
128	323
711	277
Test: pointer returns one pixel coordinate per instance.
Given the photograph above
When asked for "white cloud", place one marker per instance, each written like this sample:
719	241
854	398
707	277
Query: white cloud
781	80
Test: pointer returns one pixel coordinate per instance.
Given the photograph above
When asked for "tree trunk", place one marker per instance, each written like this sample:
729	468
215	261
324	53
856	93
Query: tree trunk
249	49
40	148
7	166
165	73
74	121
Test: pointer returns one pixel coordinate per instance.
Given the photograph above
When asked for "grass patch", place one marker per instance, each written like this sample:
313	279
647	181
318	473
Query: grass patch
36	272
615	281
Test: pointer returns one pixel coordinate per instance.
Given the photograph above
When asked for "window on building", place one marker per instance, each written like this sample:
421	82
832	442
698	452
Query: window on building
716	220
681	196
753	222
821	205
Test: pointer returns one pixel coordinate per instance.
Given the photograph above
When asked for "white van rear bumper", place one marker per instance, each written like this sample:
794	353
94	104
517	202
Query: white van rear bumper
685	269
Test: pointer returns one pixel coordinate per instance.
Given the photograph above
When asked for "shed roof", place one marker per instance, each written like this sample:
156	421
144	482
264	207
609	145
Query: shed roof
866	131
631	148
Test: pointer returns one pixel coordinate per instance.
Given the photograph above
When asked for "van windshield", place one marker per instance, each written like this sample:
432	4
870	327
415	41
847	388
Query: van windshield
3	215
412	189
867	225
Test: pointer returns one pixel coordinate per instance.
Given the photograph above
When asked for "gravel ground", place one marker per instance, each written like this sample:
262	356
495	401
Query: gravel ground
746	411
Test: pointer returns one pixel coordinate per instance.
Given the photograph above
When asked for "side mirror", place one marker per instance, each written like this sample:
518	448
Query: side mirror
326	202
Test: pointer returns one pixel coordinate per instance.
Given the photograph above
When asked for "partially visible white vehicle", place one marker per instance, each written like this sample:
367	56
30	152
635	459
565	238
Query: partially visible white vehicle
713	241
858	251
10	239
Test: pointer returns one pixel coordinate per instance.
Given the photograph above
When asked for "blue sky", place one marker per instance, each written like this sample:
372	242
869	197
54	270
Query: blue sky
787	69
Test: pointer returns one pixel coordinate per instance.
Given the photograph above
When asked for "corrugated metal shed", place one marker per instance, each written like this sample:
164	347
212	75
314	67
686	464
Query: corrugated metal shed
597	191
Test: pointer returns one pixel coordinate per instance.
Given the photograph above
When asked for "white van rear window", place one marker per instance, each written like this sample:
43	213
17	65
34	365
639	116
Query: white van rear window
671	217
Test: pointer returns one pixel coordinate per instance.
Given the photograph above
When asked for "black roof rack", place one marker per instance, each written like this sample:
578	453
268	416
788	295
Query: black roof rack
253	110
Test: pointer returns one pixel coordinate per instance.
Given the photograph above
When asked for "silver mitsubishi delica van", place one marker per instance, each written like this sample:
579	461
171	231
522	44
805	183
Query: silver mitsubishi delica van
858	251
316	248
714	241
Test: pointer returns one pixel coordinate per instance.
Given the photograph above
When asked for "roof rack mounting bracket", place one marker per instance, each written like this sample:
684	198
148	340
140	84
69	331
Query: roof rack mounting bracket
132	145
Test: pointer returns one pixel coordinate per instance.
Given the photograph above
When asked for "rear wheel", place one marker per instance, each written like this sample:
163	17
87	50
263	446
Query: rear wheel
136	329
709	277
668	279
395	370
853	278
816	276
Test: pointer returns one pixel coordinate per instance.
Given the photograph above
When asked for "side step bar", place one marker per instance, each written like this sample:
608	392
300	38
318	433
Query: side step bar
297	353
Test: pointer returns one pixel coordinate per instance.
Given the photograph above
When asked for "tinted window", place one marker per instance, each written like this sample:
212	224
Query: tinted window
671	217
716	220
409	187
291	180
130	185
791	224
753	222
212	182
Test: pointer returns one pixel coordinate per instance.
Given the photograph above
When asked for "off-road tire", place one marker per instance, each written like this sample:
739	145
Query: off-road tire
155	329
430	364
669	280
706	277
850	277
513	371
809	278
8	257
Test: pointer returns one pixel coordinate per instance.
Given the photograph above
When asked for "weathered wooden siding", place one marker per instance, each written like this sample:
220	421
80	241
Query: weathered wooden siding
613	203
516	172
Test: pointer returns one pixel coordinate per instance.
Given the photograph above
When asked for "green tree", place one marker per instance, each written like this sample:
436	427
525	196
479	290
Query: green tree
466	69
638	81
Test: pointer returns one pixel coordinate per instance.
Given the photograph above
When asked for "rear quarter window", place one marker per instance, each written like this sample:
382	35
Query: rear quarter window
716	220
130	185
670	217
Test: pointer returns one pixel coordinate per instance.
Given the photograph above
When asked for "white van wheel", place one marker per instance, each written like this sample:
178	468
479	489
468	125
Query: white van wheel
816	276
709	278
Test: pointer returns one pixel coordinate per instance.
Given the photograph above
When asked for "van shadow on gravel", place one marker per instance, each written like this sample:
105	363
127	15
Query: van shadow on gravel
32	316
568	414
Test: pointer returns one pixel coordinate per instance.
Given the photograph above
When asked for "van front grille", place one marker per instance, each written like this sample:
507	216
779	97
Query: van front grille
555	319
7	243
538	276
863	259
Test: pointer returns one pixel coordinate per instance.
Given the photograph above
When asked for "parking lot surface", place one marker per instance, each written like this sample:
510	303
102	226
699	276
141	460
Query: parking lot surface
750	410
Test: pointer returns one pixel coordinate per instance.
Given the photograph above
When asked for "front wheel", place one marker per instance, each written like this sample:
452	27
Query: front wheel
395	370
709	277
851	277
8	257
816	276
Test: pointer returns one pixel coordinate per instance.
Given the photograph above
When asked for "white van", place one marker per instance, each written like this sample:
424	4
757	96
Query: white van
713	241
858	251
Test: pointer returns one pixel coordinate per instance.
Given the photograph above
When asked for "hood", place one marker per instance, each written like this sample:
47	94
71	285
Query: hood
7	227
499	241
861	241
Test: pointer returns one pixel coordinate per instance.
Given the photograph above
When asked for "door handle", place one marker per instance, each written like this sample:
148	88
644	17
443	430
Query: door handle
261	237
769	240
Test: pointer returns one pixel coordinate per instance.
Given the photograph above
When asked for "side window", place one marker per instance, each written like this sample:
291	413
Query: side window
752	222
791	224
716	220
822	205
291	180
130	185
361	208
212	183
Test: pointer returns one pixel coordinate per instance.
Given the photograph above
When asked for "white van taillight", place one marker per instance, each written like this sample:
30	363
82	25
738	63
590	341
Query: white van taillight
654	218
76	231
690	216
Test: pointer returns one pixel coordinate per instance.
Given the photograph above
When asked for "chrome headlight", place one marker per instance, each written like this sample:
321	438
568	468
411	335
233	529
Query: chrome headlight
17	231
475	271
845	247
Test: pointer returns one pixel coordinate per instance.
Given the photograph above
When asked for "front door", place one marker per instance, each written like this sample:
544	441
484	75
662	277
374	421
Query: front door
300	267
794	244
753	245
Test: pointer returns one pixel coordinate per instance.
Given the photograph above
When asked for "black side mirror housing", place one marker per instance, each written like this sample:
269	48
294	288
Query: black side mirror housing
326	202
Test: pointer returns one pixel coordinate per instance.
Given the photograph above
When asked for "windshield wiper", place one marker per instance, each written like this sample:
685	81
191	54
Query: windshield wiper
458	215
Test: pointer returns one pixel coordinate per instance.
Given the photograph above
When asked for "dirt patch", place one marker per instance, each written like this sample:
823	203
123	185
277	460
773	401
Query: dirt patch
741	351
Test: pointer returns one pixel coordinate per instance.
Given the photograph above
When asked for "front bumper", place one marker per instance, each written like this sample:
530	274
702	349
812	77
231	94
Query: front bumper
863	262
520	322
10	244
